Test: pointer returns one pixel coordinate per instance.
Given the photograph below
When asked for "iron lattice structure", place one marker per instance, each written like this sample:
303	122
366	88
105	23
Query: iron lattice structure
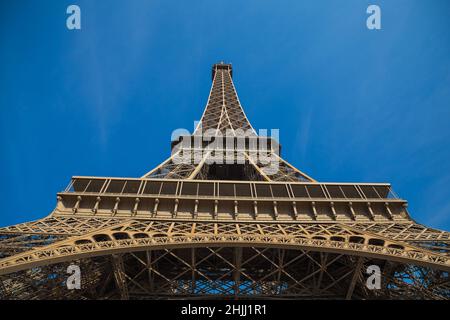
194	229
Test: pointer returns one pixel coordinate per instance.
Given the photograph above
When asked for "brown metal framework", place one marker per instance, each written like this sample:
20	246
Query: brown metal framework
197	229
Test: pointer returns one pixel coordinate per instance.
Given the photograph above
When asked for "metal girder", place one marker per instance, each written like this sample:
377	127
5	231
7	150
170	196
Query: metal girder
136	235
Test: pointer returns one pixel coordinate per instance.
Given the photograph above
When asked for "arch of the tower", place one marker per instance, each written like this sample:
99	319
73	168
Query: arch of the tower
117	241
213	269
137	259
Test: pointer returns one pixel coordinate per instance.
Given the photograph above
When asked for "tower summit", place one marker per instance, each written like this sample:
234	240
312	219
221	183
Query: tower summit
221	66
202	224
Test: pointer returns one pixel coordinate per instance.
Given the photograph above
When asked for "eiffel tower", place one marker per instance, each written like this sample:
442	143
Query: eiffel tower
250	227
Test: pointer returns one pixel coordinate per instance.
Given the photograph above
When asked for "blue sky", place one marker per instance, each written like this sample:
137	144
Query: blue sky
351	104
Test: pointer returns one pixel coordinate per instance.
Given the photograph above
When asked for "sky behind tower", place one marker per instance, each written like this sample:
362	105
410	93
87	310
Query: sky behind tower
352	104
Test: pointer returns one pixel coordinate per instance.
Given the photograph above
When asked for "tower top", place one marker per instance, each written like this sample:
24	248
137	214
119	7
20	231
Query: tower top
223	66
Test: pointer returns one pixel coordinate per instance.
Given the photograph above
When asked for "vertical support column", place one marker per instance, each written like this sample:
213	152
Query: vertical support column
323	268
355	277
281	255
237	270
148	255
119	276
193	267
